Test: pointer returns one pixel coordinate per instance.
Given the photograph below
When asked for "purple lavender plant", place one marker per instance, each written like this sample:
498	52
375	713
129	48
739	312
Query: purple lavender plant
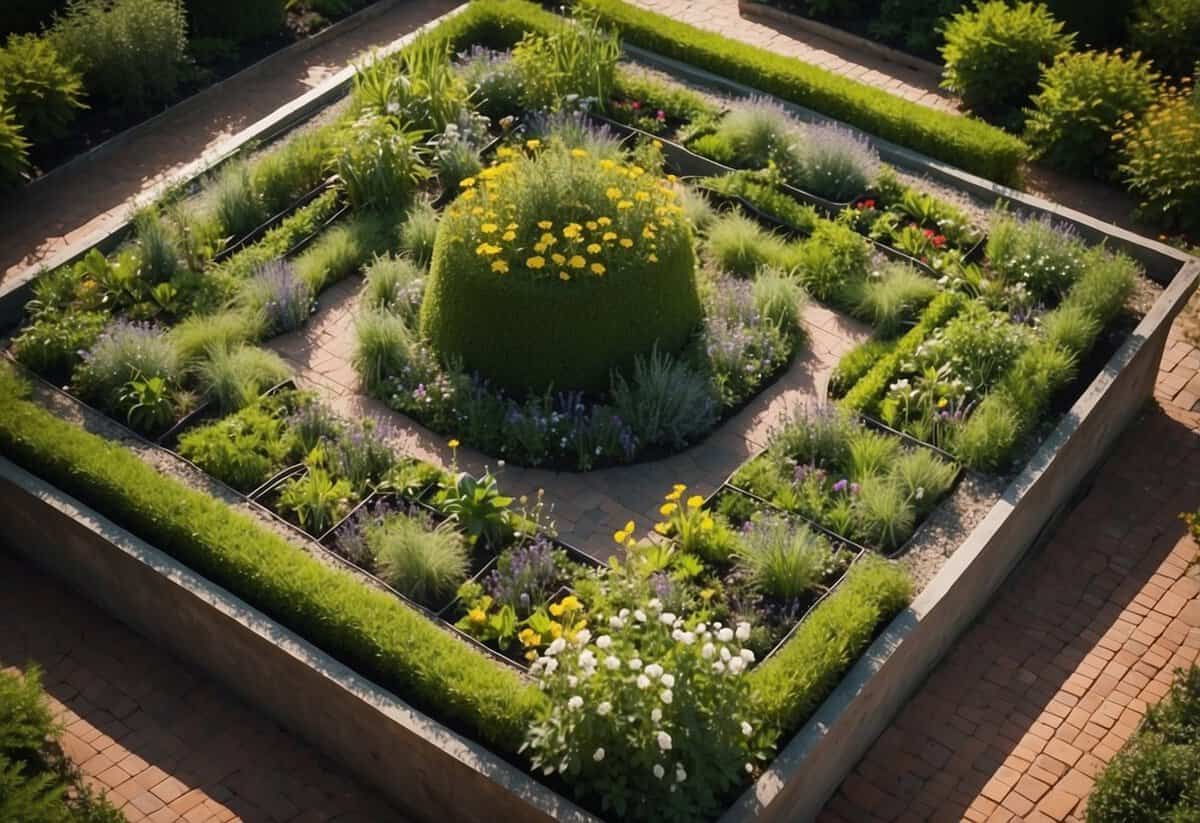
835	162
527	575
285	300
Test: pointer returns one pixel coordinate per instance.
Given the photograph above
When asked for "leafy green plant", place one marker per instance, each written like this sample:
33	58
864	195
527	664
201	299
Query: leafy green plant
380	163
1047	257
779	298
1085	98
14	148
418	560
316	499
243	449
101	35
1160	159
664	400
994	54
832	262
578	61
478	508
782	559
341	251
856	363
51	345
41	87
418	233
149	403
893	296
396	285
125	352
418	88
233	378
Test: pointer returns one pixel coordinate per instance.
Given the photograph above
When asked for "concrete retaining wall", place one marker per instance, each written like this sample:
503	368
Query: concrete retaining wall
429	772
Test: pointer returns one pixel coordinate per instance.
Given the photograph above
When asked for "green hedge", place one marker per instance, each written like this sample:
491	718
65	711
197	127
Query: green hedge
869	390
788	688
961	141
369	630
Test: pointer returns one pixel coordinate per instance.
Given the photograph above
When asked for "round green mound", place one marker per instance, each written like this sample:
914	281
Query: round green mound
554	268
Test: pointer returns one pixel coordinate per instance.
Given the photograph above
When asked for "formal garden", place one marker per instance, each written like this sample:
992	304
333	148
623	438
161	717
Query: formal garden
565	261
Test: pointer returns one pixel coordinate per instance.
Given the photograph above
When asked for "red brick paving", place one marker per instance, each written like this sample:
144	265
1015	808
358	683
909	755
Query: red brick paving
1054	678
165	743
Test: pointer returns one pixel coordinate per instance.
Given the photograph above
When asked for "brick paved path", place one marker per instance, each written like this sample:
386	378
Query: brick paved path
722	16
36	224
1031	703
167	744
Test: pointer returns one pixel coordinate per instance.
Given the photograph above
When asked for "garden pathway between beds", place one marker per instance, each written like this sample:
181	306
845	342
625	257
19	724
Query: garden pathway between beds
93	196
164	742
1047	686
587	506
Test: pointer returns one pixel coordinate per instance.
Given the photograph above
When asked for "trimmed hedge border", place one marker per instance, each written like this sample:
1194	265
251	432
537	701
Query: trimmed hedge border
372	632
956	139
869	390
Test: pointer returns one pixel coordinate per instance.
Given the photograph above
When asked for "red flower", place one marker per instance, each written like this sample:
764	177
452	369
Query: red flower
927	232
939	240
635	105
661	115
866	204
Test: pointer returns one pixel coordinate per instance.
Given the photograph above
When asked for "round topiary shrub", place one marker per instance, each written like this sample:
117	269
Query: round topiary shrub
554	267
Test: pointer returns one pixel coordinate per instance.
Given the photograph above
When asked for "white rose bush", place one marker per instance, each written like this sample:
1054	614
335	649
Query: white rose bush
648	715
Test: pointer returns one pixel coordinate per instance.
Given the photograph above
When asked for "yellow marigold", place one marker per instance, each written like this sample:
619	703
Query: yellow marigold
548	238
652	257
469	194
663	528
557	610
577	261
540	248
591	225
558	259
643	196
695	501
578	153
593	248
454	444
706	524
488	249
504	151
571	603
488	228
509	236
612	193
571	231
624	204
636	171
607	164
476	615
533	144
531	655
555	627
562	275
668	509
478	210
500	267
467	182
536	262
604	221
621	535
529	637
626	242
510	226
545	224
648	233
609	236
598	268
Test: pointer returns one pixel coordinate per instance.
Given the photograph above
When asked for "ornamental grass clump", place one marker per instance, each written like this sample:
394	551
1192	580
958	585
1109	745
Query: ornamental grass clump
235	377
782	559
740	246
892	297
420	561
276	295
555	267
834	162
648	717
664	400
396	285
418	233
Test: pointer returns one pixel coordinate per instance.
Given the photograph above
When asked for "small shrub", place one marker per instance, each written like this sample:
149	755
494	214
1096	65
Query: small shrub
14	148
280	299
855	364
1036	375
418	233
51	345
664	400
456	156
243	449
1085	98
832	262
994	54
380	165
421	562
1160	160
783	559
755	133
316	500
1168	31
1045	256
383	347
740	246
493	82
1106	283
157	250
131	52
395	284
835	163
234	378
923	476
884	512
871	453
892	297
569	62
42	88
124	352
779	298
237	207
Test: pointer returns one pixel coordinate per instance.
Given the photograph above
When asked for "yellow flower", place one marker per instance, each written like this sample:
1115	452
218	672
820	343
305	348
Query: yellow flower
529	637
662	528
679	487
488	228
545	224
624	204
695	501
557	609
571	603
469	194
578	153
548	238
609	236
942	403
531	655
571	231
533	144
476	615
504	151
707	594
454	444
593	248
648	233
591	225
642	196
535	262
621	535
510	226
488	249
562	275
604	221
509	236
613	193
577	262
467	182
657	144
606	164
500	267
652	257
626	242
558	259
598	268
706	524
555	628
667	509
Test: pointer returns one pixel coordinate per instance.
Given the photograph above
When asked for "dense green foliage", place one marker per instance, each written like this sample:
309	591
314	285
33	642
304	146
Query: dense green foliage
1168	32
42	87
1160	159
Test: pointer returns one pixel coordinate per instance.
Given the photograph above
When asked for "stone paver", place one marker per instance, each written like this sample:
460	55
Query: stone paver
164	742
589	506
1040	694
39	223
916	85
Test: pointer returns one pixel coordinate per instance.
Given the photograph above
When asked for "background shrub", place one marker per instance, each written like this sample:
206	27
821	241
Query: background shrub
252	19
1085	97
40	85
131	52
14	148
1160	160
995	52
1168	31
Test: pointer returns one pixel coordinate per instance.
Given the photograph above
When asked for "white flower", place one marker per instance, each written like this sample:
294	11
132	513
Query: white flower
635	663
582	637
655	714
557	646
639	616
659	771
551	665
668	680
623	613
680	773
598	755
654	670
616	623
725	635
572	681
701	628
725	654
666	695
747	655
743	632
664	741
643	682
686	638
604	708
603	641
654	605
707	651
666	618
612	663
587	659
747	729
718	667
575	703
749	769
736	665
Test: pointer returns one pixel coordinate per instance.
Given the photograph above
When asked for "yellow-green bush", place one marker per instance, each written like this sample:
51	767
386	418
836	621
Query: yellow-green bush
553	268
